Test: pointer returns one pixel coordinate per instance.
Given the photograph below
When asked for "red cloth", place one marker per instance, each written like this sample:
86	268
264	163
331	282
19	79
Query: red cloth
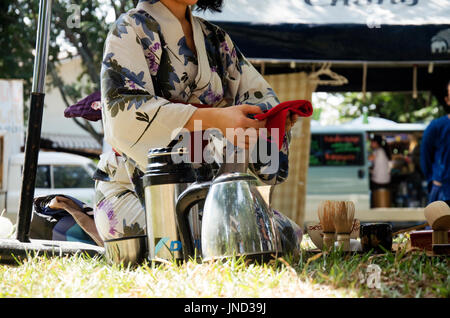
276	116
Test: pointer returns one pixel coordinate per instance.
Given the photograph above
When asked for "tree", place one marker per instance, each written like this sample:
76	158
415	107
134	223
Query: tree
397	106
16	57
18	24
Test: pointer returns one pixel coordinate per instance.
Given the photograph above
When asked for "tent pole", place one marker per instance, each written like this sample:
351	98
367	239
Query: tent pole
33	136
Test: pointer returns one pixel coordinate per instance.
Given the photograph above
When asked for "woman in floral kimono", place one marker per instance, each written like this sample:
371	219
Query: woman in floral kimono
158	59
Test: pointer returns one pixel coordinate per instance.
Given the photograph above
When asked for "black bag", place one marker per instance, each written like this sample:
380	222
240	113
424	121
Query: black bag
60	225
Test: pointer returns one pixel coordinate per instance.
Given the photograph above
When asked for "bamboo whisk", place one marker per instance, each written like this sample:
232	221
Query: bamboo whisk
343	222
326	218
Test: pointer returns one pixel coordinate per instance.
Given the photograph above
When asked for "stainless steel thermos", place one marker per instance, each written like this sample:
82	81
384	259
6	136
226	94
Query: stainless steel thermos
166	176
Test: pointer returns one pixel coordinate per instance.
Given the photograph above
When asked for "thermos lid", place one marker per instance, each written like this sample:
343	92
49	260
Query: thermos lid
371	227
163	169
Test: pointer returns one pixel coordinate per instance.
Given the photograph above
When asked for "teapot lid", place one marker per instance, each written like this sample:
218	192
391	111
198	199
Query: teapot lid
234	176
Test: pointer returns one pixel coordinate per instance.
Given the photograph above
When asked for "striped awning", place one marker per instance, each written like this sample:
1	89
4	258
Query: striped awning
76	142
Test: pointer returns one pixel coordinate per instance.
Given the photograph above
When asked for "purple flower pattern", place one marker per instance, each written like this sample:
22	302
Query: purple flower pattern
224	46
130	84
233	53
107	208
210	96
151	58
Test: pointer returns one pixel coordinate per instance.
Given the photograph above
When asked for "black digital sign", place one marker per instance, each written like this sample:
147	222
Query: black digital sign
336	150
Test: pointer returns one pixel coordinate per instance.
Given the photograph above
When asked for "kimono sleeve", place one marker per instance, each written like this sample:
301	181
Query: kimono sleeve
248	86
134	118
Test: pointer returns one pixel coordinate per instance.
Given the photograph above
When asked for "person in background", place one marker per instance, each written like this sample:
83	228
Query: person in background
381	172
435	155
414	151
416	176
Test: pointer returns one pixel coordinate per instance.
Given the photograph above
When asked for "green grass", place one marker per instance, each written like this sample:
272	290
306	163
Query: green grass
80	276
403	274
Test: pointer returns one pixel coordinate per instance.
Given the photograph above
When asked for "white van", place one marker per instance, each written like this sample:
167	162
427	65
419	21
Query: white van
57	173
339	170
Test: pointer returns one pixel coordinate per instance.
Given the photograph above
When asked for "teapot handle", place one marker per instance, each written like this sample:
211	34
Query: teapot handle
187	199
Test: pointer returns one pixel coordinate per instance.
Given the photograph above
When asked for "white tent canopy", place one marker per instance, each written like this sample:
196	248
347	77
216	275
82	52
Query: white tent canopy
370	12
372	121
373	124
405	44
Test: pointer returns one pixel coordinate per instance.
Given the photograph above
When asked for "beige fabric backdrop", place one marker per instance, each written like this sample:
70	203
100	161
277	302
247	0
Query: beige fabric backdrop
289	197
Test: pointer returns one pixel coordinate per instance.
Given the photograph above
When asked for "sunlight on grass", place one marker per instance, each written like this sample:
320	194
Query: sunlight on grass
80	276
406	273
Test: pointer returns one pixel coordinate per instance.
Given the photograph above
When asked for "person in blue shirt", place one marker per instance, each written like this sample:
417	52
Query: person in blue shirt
435	155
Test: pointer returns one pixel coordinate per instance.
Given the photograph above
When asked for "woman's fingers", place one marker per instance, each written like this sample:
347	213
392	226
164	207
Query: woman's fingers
252	123
248	122
250	109
241	130
291	120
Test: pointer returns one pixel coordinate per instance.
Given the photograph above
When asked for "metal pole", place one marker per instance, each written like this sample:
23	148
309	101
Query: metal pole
33	136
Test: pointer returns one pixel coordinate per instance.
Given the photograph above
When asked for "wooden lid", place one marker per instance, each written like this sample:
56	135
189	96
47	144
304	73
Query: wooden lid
438	215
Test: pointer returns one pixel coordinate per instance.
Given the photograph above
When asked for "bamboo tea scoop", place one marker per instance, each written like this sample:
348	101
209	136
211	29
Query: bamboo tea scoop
438	216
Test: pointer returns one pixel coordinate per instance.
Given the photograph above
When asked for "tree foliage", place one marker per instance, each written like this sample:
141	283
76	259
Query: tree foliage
18	24
17	40
397	106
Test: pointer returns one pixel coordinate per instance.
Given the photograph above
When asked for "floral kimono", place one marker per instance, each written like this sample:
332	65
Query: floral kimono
149	78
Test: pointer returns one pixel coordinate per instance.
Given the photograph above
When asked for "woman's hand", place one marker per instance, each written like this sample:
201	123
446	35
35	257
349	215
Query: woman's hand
291	120
242	130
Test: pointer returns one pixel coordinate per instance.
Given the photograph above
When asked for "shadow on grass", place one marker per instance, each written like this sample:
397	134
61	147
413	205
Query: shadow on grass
404	273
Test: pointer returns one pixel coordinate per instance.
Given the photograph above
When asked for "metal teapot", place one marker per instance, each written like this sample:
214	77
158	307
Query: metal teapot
236	219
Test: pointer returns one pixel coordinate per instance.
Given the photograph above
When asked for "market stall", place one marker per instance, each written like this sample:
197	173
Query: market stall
339	46
408	186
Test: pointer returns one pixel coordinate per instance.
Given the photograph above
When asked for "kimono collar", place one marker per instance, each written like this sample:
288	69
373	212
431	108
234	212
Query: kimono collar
162	14
173	32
